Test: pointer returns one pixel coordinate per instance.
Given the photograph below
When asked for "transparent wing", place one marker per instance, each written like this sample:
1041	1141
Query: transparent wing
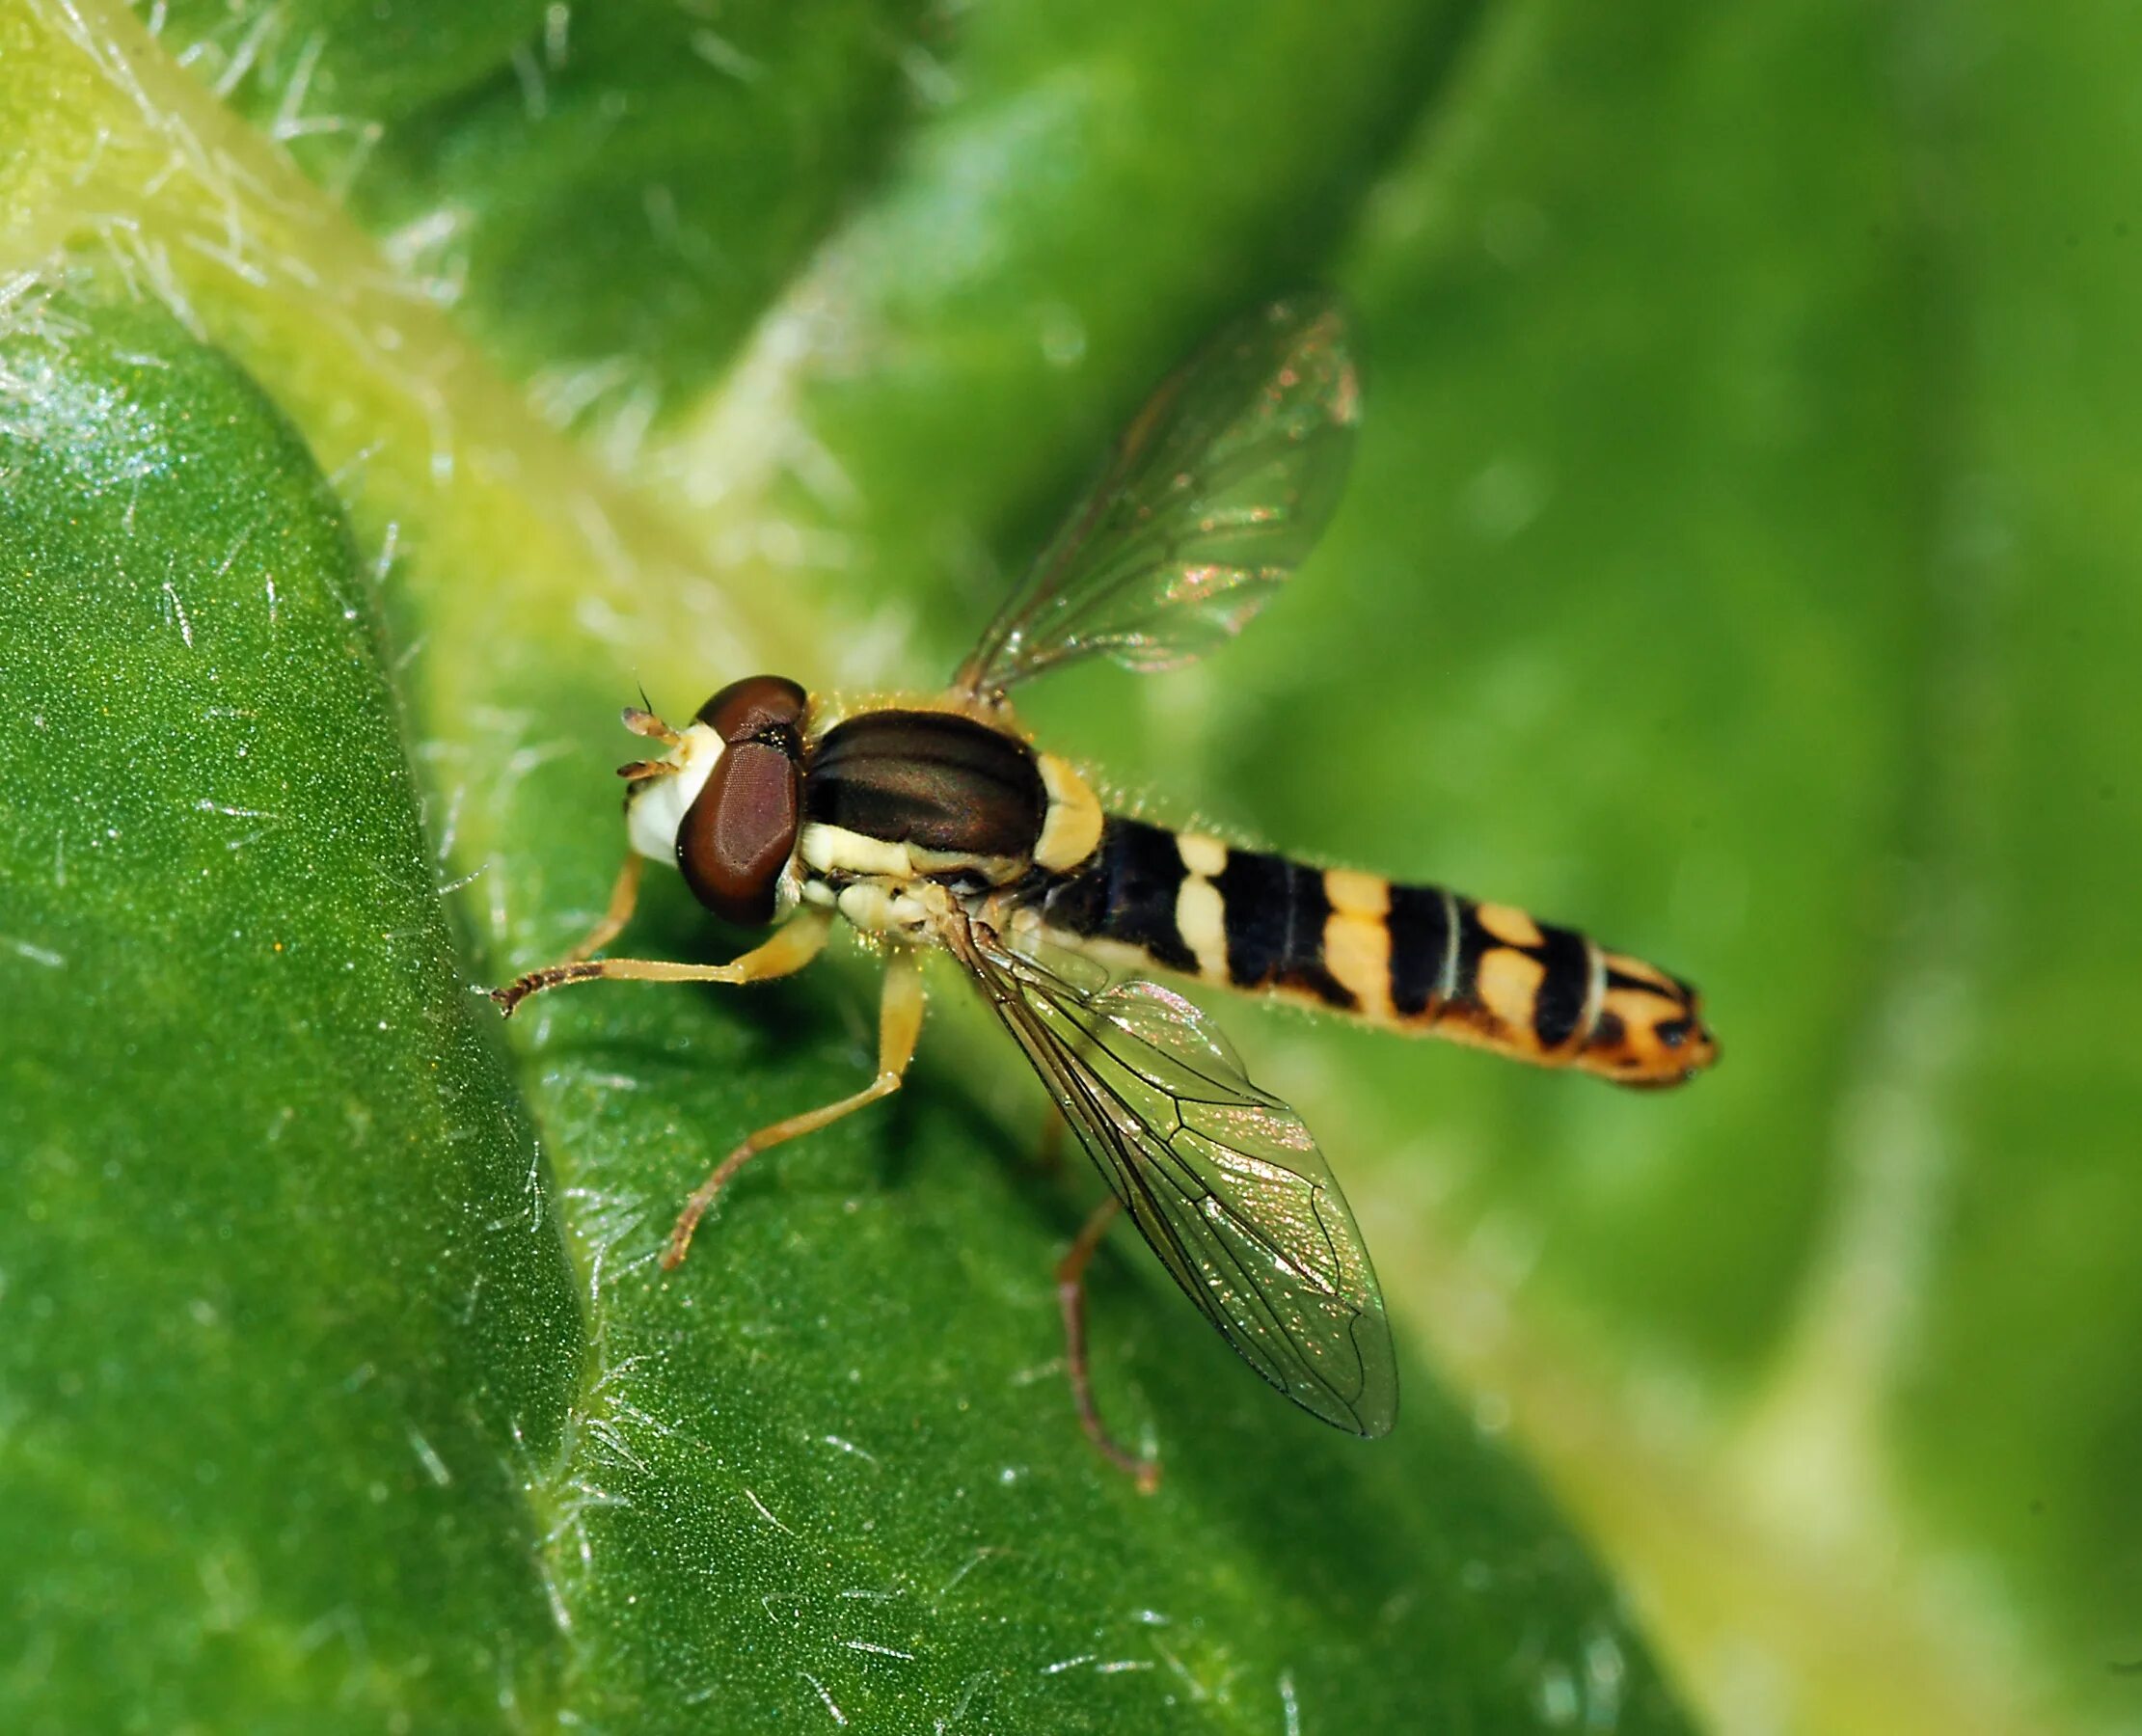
1222	1179
1215	494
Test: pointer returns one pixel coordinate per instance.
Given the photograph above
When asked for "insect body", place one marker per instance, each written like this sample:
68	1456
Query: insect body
936	824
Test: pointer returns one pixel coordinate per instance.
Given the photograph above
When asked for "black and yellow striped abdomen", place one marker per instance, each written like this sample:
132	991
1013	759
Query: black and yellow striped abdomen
1411	957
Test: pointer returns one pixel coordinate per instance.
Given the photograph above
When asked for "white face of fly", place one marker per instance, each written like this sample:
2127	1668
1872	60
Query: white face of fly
659	805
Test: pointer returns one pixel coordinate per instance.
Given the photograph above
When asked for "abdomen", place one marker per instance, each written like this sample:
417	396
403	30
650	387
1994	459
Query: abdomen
1408	958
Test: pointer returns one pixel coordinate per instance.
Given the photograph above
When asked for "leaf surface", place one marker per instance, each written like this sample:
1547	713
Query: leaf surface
343	1391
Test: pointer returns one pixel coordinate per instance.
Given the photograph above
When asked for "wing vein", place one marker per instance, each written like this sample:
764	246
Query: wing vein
1214	495
1220	1178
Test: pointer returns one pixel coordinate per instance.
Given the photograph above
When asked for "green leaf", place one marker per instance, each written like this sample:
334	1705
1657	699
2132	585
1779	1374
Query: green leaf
342	1391
283	1287
413	1454
1736	564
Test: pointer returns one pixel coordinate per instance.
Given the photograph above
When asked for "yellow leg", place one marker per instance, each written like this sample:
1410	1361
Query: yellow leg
899	1024
791	949
1070	1299
623	896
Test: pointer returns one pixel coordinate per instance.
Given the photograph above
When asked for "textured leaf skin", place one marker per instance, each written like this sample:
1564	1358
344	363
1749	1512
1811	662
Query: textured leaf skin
282	1288
1737	563
315	1417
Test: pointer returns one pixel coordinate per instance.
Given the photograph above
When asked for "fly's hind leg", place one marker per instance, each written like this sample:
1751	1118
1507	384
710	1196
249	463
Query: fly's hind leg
1070	1299
899	1024
1048	1148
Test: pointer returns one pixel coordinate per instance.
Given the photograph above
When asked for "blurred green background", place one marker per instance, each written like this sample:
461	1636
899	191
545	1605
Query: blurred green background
1730	566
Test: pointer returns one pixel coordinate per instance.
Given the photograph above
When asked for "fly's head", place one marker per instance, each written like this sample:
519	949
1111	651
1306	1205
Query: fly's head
725	802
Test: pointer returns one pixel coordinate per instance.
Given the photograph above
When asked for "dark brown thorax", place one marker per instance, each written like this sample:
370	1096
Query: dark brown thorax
935	780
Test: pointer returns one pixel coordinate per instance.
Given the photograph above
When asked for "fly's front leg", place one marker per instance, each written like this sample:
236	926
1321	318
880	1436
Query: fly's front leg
1070	1299
789	950
624	896
899	1024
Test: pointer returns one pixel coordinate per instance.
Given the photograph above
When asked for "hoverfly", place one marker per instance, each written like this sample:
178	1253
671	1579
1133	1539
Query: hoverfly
933	822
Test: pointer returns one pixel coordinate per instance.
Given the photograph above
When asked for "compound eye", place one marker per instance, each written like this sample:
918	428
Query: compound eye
740	830
759	708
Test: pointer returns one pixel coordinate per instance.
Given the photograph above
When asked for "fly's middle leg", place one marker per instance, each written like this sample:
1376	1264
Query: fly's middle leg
899	1025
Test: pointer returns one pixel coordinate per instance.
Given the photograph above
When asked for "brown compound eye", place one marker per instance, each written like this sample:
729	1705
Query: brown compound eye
740	830
738	834
759	708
